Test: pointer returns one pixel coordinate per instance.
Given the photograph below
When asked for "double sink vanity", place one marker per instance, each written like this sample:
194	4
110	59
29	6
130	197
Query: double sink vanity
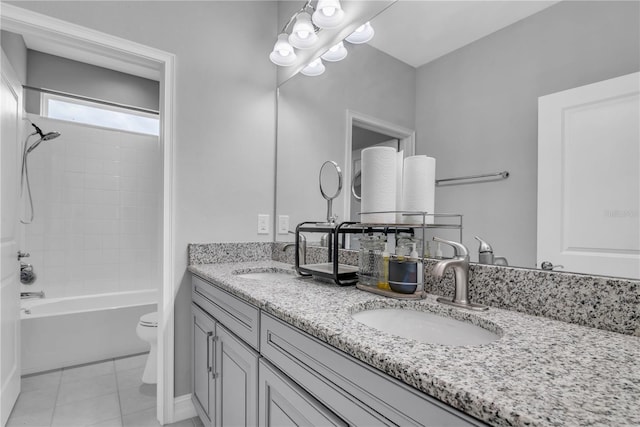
272	348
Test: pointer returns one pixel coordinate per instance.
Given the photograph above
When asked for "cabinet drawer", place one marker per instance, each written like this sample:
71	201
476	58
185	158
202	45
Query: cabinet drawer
239	317
358	393
284	403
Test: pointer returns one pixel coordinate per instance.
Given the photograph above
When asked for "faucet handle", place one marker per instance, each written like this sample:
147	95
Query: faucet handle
484	246
460	250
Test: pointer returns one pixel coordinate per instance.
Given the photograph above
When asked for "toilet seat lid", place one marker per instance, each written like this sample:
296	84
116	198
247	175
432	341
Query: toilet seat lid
149	319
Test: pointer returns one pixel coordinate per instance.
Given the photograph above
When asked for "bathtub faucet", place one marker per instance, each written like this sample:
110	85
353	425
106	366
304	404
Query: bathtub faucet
27	275
24	295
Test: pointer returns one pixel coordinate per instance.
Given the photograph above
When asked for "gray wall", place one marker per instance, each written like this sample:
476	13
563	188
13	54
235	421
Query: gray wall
362	138
16	51
312	124
476	110
65	75
225	113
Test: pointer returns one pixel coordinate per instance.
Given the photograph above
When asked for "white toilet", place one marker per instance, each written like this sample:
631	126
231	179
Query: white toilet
147	330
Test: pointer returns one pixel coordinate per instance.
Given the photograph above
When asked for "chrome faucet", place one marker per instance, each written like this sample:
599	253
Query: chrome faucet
302	247
24	295
485	254
460	265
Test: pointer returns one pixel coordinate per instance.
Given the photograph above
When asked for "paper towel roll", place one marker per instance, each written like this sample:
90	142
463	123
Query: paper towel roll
378	184
418	188
399	172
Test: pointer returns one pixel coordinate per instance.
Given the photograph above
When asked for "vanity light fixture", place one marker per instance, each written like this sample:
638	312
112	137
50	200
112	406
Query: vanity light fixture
304	34
363	34
336	53
328	14
314	68
301	32
283	53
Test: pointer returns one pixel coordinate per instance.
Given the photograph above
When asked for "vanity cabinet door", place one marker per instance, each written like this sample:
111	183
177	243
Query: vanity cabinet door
236	372
203	393
283	403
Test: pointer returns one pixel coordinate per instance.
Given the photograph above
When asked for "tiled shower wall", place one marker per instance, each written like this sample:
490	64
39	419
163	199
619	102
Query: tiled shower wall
97	197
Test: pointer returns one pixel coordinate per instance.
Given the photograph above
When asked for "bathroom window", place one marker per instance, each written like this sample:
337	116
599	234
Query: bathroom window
96	114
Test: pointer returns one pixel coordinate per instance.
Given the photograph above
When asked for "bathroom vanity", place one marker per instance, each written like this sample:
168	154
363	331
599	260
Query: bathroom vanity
288	348
233	383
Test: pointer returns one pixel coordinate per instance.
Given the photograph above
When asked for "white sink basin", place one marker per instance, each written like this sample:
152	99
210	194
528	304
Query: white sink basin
426	327
268	275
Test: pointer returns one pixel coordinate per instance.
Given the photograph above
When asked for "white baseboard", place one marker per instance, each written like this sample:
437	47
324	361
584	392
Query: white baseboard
183	408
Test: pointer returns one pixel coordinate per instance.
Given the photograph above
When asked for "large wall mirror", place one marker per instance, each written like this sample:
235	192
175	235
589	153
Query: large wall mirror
464	89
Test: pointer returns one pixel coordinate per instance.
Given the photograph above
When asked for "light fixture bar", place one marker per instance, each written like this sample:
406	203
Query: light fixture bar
304	26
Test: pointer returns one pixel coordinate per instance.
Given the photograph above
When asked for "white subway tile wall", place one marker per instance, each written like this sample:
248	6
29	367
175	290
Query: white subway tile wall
97	197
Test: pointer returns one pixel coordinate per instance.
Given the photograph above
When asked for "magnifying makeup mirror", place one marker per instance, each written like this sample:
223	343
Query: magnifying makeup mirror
356	185
330	185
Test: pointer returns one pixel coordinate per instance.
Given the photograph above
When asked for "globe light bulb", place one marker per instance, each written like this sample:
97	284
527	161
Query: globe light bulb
328	14
282	54
362	34
328	11
314	68
303	35
337	53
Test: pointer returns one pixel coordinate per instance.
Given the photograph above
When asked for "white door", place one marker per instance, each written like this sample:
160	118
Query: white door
589	178
11	112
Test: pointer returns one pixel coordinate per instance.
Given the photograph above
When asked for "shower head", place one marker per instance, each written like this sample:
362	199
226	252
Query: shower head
51	135
43	137
24	182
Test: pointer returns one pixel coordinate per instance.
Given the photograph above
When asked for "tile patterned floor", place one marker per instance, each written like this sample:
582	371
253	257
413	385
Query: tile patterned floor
103	394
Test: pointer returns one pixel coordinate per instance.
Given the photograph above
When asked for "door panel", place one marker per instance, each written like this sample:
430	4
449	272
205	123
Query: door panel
589	178
10	111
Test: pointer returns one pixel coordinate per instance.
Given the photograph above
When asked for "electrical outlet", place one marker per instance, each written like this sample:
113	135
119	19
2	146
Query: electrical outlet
263	224
283	224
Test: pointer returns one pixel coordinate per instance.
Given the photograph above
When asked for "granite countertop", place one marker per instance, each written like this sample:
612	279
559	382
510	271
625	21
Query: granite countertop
540	372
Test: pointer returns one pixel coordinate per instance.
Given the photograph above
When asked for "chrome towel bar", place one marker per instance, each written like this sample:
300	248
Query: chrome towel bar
496	176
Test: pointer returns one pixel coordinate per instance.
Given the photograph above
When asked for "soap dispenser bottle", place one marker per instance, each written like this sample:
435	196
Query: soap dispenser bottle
383	269
438	251
419	268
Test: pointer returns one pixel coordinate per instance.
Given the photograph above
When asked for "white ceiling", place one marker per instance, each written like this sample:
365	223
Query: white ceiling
417	32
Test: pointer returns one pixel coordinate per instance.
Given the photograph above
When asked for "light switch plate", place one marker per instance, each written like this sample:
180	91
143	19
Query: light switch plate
283	224
263	224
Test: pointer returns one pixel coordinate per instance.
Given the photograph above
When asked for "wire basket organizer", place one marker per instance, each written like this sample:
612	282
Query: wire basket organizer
336	238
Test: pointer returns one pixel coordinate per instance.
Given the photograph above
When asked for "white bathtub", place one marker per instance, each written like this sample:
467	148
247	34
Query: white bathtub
60	332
